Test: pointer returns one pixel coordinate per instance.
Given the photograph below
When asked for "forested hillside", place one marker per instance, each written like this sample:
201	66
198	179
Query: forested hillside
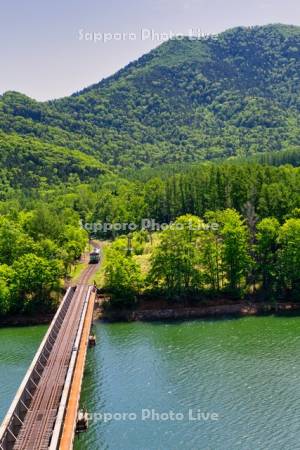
235	94
27	162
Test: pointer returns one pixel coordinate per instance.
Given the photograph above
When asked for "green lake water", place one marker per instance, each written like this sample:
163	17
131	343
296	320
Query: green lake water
17	349
245	371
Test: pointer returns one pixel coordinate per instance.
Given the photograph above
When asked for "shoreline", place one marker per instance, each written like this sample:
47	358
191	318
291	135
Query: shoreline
26	321
240	309
178	312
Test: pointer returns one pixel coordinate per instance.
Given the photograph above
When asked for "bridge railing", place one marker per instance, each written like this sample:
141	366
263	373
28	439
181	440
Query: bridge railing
15	416
56	435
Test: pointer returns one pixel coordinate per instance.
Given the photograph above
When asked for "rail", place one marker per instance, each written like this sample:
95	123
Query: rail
17	412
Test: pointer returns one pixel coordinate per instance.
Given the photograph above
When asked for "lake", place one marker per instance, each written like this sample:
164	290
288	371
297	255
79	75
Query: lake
201	385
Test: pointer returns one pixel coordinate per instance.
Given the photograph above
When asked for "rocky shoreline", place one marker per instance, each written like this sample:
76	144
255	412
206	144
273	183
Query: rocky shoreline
179	312
240	309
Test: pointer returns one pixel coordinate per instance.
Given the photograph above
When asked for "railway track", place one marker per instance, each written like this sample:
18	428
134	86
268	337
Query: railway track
37	428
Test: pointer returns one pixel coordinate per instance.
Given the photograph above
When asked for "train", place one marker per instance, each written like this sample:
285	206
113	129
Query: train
95	256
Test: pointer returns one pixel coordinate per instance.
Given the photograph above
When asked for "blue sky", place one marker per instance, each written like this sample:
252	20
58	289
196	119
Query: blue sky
46	52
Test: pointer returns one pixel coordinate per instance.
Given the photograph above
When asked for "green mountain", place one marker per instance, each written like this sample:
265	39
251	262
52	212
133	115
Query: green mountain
235	94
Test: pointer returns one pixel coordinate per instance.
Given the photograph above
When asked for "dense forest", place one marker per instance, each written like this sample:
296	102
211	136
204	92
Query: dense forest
238	234
39	242
252	189
197	259
42	232
213	127
27	163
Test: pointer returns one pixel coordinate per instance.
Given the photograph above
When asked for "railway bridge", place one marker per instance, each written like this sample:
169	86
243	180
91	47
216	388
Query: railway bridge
43	414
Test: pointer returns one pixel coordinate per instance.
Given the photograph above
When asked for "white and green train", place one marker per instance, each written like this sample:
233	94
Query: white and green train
95	256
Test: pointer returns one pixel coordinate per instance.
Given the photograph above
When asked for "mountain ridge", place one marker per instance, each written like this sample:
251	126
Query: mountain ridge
234	94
